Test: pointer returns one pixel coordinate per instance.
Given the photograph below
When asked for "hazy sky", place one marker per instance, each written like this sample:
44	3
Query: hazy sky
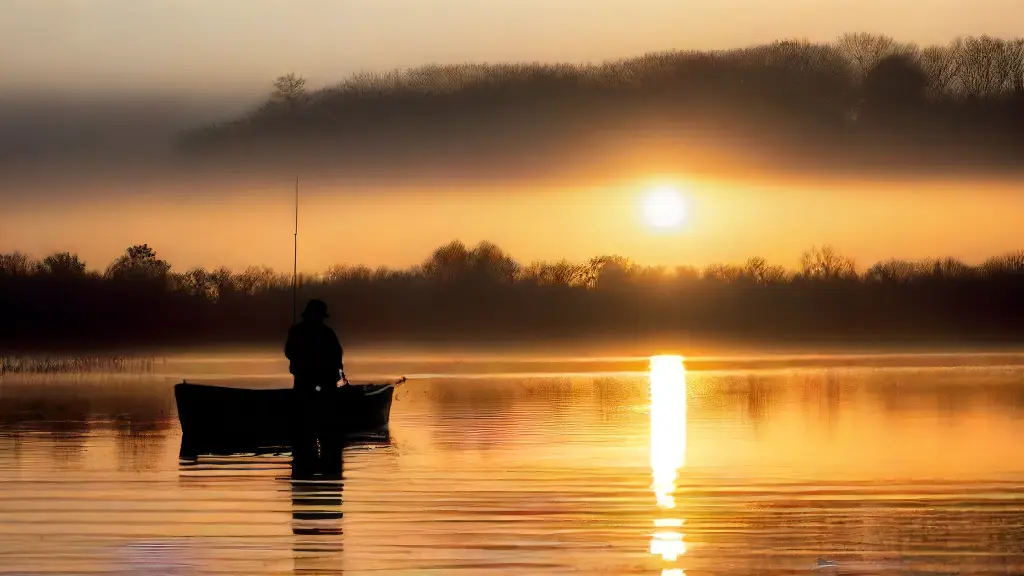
236	47
227	45
726	222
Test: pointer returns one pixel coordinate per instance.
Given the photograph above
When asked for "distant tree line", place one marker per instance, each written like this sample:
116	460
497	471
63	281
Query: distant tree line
463	293
862	98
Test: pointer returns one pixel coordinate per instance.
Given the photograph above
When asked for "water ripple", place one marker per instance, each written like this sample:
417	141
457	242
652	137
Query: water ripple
672	473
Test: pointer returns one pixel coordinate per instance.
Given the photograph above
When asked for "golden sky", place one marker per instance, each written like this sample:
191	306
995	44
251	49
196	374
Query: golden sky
725	222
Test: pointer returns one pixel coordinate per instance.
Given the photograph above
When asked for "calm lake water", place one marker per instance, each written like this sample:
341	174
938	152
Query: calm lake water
877	465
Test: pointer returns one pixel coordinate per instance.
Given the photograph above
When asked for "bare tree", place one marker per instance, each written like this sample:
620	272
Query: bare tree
1014	54
289	88
891	272
826	264
490	263
15	264
950	268
610	271
985	65
1011	263
341	273
758	270
224	281
942	66
448	263
560	273
723	272
199	282
864	50
258	279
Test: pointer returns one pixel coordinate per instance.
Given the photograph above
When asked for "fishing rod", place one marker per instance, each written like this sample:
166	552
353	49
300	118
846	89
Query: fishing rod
295	280
386	386
295	257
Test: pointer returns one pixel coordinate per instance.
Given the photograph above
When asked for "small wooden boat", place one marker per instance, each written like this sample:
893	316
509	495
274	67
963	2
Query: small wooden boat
226	420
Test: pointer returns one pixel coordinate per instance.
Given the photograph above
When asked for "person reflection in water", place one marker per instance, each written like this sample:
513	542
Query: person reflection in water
315	362
317	525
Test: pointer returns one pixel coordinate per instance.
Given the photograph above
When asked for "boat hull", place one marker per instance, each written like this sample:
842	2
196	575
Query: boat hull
225	420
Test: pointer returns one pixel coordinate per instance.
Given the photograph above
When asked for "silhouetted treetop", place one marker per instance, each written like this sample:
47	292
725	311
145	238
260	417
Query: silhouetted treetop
15	264
289	89
465	293
839	100
139	263
826	264
63	265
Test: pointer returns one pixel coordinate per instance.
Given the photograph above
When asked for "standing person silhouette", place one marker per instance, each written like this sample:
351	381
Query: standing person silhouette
315	362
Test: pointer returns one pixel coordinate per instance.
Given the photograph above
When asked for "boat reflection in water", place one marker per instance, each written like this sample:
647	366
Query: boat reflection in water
316	518
668	454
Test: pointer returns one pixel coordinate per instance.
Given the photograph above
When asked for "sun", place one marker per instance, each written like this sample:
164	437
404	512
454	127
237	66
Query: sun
664	208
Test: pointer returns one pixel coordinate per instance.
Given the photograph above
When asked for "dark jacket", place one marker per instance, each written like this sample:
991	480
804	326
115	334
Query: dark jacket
314	354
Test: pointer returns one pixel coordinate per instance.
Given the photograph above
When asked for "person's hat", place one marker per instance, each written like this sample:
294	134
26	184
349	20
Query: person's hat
315	309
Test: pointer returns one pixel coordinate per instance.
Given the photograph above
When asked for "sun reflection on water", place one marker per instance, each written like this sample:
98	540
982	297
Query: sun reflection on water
668	454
